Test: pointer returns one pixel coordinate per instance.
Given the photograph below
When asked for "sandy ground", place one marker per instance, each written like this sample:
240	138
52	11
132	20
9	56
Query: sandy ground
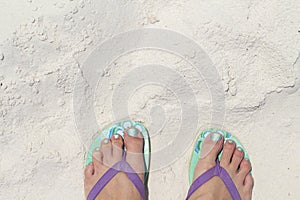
254	46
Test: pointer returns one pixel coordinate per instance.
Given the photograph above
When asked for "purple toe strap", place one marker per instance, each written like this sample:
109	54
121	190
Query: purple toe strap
121	166
212	172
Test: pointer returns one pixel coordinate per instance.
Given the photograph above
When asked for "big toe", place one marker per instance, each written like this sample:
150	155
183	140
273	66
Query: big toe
212	146
134	141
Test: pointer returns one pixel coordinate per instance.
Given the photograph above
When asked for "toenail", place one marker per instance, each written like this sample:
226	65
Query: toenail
127	124
247	159
240	149
139	127
230	141
133	132
97	149
116	136
215	137
105	141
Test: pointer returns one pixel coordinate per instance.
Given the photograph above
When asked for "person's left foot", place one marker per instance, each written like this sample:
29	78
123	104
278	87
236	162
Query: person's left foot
110	152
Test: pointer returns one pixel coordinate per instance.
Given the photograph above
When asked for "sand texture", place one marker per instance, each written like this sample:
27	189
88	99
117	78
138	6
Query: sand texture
46	123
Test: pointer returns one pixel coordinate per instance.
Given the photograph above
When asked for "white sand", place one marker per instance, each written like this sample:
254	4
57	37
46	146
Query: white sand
254	45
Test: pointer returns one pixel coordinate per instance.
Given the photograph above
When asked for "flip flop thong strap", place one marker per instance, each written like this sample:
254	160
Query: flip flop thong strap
217	170
121	166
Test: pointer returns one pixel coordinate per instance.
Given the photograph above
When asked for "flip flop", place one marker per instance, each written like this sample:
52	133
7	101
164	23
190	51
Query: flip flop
121	166
217	170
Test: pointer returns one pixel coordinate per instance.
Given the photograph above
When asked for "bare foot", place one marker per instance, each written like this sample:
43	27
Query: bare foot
111	151
232	160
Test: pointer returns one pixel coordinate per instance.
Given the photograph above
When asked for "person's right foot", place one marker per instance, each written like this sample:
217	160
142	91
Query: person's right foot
232	160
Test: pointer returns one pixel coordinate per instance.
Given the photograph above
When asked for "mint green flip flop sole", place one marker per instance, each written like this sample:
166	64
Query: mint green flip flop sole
198	147
119	128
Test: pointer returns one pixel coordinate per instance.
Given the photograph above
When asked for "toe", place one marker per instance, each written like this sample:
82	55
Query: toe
212	146
228	150
117	146
89	170
97	156
245	168
134	141
249	182
106	151
237	158
88	177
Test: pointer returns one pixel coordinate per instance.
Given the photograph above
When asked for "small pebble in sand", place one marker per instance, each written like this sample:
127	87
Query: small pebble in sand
81	4
1	56
32	20
74	11
60	102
